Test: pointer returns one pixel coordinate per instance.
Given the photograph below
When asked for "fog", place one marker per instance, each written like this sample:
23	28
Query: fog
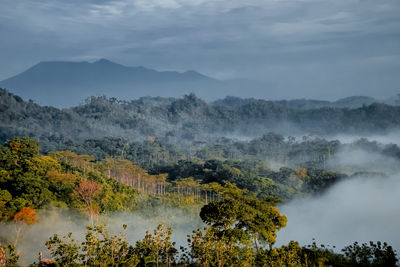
360	209
363	208
392	137
350	161
61	222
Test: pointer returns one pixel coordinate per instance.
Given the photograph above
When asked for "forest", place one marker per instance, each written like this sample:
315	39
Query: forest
153	131
204	182
182	120
200	133
236	201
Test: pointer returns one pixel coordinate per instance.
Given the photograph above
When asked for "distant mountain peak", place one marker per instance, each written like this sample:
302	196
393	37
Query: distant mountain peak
194	74
65	83
191	72
104	61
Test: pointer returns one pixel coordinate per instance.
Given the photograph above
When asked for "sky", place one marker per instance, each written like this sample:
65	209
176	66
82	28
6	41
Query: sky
299	48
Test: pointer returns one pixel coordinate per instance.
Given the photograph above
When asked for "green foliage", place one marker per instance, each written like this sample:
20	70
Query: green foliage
98	249
207	248
240	216
177	137
221	244
354	255
289	256
220	171
314	255
28	179
157	246
317	181
101	249
121	129
8	255
64	251
210	248
187	118
372	254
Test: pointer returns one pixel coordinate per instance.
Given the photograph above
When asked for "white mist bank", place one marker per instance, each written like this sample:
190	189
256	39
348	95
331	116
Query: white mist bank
351	160
361	209
392	137
61	222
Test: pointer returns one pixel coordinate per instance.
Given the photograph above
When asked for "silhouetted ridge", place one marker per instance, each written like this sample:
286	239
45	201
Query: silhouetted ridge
63	83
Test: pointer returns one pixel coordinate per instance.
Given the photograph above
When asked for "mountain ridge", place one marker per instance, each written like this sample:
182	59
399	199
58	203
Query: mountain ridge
64	83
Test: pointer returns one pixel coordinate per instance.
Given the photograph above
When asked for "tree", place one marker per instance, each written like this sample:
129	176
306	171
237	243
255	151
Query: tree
239	215
372	254
157	246
102	249
64	251
26	216
5	198
210	248
289	256
98	249
8	256
87	191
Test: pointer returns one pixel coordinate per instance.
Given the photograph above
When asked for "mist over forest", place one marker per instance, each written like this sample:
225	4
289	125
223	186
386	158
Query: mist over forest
200	133
355	209
331	171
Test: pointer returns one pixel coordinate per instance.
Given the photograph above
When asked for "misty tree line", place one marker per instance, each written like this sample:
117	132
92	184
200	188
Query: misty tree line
110	153
176	121
197	179
241	231
31	180
307	152
238	206
154	132
64	178
206	247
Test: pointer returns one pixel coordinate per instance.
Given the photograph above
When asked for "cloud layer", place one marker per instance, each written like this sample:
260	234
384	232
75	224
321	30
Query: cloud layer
361	209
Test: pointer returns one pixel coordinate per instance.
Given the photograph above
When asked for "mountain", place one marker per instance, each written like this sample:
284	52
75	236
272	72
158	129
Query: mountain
64	84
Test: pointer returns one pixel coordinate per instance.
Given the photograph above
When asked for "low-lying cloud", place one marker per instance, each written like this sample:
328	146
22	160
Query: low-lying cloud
350	160
61	222
360	209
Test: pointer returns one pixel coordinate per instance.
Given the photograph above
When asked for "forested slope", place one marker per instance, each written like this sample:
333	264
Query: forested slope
184	119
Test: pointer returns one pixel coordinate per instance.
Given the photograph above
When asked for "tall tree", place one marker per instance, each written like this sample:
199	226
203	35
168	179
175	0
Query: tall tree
240	214
87	191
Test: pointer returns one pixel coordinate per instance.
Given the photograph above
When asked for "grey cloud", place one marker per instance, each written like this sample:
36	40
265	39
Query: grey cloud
287	44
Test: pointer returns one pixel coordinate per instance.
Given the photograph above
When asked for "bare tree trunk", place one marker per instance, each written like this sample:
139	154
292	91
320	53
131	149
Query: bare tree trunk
18	230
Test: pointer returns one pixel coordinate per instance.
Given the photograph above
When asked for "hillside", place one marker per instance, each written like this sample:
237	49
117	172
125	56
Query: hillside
184	119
